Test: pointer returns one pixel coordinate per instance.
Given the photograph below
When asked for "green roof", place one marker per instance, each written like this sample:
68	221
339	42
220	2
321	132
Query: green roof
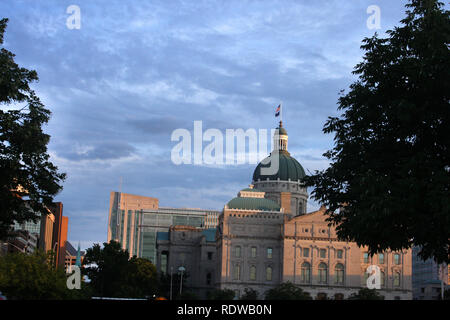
251	190
289	168
261	204
282	131
210	234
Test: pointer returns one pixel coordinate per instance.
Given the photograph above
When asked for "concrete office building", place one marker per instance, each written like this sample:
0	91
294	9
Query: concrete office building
134	221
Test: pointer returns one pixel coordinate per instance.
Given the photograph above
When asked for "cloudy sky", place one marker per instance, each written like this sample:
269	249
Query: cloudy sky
137	70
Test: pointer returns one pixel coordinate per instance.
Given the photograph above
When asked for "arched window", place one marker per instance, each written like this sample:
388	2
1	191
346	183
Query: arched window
252	273
339	296
339	271
269	273
305	275
237	272
322	273
397	279
300	207
382	275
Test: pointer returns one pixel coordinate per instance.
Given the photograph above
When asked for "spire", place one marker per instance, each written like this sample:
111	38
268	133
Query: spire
78	260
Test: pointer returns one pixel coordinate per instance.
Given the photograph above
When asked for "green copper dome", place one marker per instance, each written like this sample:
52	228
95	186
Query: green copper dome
261	204
289	169
282	131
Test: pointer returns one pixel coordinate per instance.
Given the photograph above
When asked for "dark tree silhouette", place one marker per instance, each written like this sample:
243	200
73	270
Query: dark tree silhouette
388	183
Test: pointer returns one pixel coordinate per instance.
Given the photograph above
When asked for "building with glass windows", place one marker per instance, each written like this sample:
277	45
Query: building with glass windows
134	221
265	237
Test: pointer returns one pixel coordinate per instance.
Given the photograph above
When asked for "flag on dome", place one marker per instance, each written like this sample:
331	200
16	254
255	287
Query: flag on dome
277	112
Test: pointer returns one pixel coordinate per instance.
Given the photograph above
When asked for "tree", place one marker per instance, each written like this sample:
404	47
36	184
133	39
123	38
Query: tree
114	274
28	277
287	291
142	277
221	294
28	180
388	183
366	294
249	294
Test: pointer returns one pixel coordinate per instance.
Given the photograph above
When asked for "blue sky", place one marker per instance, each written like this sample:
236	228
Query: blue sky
136	70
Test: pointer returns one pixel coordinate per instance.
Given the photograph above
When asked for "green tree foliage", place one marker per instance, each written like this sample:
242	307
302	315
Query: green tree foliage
221	294
32	277
25	170
366	294
287	291
249	294
113	274
387	186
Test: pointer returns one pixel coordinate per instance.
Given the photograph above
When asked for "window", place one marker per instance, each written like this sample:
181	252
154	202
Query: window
237	252
253	252
339	296
208	278
237	272
396	259
164	256
339	254
210	255
366	257
321	296
306	252
305	275
397	279
322	273
382	276
269	274
323	253
252	273
381	258
339	271
269	253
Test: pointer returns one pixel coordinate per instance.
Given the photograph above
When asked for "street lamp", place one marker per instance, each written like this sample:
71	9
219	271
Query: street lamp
181	269
171	272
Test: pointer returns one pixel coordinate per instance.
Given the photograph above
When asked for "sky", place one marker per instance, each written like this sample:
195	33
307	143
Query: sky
135	71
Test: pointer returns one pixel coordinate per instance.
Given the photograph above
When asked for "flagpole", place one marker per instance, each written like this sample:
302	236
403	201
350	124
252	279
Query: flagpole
281	112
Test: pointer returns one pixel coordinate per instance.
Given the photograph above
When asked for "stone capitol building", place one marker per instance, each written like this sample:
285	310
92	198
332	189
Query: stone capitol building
264	237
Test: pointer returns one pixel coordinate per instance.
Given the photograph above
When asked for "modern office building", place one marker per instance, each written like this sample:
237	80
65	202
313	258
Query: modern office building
50	232
134	221
427	276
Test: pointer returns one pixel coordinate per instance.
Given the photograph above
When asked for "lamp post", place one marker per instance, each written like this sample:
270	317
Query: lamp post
181	269
171	272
